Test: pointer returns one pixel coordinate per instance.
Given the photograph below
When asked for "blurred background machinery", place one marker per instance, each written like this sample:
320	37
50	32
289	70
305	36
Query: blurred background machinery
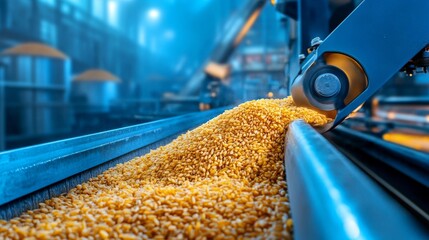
86	66
152	67
92	94
36	92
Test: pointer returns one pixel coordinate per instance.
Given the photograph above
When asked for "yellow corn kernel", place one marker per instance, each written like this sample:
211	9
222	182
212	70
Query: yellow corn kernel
222	180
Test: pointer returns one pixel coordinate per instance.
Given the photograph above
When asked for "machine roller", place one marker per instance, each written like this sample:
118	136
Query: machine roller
361	55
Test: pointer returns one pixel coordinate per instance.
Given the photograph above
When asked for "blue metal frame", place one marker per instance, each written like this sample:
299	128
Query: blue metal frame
382	45
26	170
331	199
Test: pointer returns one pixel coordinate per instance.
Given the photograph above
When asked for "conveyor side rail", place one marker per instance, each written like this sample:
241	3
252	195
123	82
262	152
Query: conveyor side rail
331	199
37	168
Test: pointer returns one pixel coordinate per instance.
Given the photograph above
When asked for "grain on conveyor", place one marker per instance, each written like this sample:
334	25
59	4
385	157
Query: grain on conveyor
222	180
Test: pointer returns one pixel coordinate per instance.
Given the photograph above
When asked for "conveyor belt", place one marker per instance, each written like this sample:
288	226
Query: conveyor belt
31	175
330	197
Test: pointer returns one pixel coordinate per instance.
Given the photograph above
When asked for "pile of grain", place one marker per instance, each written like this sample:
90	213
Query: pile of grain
222	180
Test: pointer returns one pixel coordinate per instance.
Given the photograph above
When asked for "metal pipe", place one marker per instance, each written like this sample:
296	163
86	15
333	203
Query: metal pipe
331	199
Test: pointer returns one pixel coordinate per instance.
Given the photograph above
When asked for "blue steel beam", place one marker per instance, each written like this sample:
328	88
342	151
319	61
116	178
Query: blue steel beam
27	170
381	36
331	199
380	47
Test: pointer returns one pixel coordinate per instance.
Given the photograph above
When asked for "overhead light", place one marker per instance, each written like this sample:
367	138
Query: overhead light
154	14
112	7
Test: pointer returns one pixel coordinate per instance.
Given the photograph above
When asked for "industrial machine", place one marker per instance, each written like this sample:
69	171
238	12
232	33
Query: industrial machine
344	184
344	70
352	55
94	90
36	89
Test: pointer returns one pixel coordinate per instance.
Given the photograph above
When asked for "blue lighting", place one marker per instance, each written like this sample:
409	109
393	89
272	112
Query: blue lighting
154	14
112	8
